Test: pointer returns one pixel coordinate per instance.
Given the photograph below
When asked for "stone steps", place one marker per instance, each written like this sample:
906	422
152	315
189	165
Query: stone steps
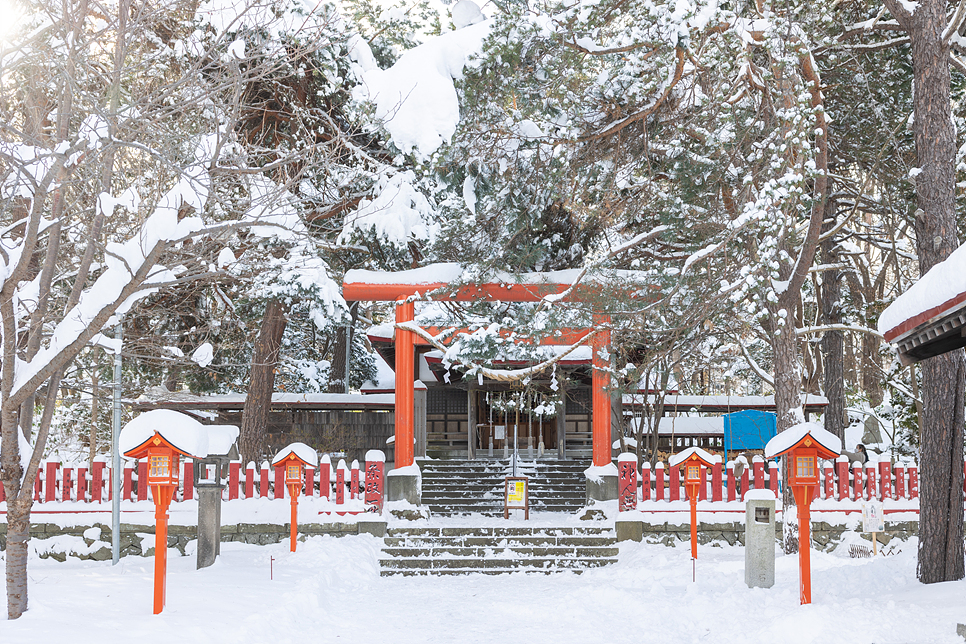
496	550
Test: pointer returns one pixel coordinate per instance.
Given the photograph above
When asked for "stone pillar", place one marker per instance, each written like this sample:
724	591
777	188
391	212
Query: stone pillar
760	539
209	524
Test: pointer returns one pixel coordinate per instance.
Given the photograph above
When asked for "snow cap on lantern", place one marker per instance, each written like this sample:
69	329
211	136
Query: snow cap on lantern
163	436
294	457
805	443
692	457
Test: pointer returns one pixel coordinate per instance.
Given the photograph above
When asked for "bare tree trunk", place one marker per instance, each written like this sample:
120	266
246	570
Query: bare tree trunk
941	496
833	343
344	335
258	403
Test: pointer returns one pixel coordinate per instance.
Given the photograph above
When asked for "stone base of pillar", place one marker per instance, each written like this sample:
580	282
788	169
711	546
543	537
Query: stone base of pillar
376	528
602	488
209	524
629	530
403	487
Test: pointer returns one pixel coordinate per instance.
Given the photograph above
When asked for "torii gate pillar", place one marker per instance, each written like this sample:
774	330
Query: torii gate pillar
602	476
402	483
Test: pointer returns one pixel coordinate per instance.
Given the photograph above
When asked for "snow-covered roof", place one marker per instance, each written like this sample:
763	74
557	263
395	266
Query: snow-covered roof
288	400
181	430
941	290
687	425
301	450
721	404
790	437
680	457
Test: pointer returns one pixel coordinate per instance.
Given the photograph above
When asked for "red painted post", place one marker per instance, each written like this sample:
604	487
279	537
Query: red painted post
744	482
325	477
50	481
340	483
646	481
758	467
913	481
143	479
126	483
280	482
626	482
900	480
703	490
732	495
3	495
375	480
81	484
870	479
774	473
659	481
309	480
829	481
856	481
842	465
674	487
716	480
38	486
189	479
97	481
234	470
354	486
66	493
250	481
263	481
885	480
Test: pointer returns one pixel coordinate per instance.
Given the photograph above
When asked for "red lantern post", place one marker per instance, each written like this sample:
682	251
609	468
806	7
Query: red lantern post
293	460
692	460
804	445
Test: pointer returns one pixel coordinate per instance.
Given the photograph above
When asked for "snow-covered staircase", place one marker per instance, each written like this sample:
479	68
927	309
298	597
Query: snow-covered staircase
476	487
496	550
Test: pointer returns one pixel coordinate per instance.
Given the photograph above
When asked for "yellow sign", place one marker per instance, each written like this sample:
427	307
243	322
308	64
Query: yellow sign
516	493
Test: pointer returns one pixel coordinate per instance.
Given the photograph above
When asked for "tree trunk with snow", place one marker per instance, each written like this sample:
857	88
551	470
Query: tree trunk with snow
941	455
258	403
833	342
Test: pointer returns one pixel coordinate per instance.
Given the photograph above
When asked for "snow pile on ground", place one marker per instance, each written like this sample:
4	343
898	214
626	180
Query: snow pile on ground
330	590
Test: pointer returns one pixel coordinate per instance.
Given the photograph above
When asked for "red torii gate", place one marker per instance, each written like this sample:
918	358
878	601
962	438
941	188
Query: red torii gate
398	287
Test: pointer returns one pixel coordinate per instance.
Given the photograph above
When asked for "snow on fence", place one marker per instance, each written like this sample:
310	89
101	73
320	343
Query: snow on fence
838	481
92	483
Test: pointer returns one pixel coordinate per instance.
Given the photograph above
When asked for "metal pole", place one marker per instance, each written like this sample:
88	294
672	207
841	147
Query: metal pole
516	425
116	454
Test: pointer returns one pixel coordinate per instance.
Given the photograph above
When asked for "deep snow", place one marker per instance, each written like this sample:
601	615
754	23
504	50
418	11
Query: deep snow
331	591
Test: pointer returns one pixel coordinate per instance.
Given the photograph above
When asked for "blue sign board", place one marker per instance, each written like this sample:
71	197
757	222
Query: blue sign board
748	429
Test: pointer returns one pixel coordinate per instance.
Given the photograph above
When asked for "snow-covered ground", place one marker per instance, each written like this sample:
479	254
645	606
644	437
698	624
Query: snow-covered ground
331	591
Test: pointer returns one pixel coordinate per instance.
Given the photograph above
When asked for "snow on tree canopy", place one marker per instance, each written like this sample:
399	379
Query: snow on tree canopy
942	287
301	450
416	97
786	439
181	430
680	457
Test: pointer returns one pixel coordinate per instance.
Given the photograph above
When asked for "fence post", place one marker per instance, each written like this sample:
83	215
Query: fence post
375	477
309	482
829	481
627	482
646	481
50	481
674	487
732	486
900	479
66	492
143	479
325	476
263	480
758	467
870	478
354	487
842	465
716	479
189	479
913	480
885	480
857	481
81	484
774	474
234	470
126	480
340	482
250	480
38	485
659	481
280	482
97	481
744	482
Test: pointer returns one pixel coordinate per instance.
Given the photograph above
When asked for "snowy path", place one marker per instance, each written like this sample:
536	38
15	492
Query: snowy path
330	591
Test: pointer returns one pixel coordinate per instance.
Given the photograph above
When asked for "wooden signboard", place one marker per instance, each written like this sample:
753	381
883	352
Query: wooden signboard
873	520
516	496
